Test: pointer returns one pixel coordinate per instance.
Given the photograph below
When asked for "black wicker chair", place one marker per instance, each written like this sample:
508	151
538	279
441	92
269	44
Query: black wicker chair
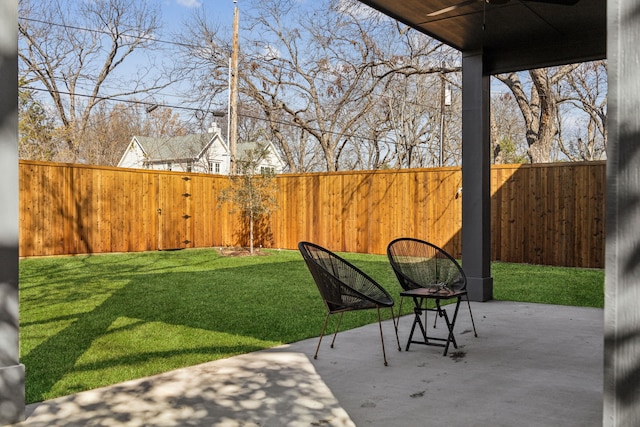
427	272
344	287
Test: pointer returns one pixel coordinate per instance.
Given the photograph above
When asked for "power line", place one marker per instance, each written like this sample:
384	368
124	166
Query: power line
114	99
199	110
98	31
152	105
250	57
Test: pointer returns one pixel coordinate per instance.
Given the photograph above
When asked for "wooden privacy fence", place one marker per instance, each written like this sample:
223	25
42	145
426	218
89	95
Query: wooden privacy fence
543	214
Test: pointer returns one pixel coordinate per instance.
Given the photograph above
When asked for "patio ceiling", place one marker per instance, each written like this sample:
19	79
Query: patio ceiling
515	35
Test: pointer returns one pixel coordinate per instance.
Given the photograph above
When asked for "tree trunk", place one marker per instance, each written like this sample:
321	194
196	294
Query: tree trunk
251	233
539	109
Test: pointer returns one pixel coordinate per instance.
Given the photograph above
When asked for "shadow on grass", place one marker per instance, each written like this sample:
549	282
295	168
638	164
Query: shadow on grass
129	319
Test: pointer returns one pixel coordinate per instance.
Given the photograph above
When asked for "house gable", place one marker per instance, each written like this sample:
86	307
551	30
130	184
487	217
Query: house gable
271	161
214	157
134	156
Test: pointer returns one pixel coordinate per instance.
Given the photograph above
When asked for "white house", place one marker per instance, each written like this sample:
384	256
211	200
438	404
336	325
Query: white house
202	153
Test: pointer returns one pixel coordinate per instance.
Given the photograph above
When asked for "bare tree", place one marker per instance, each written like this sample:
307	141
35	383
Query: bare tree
507	131
35	128
359	64
539	107
110	129
424	119
412	131
73	50
319	73
586	91
251	191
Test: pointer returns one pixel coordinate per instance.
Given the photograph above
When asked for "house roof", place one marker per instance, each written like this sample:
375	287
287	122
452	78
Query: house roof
242	148
191	147
512	35
176	147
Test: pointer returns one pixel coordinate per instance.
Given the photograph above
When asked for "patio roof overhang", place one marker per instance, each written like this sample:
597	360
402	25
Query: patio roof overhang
515	35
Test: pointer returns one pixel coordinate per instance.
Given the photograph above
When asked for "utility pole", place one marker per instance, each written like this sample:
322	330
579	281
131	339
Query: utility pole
442	107
445	101
233	93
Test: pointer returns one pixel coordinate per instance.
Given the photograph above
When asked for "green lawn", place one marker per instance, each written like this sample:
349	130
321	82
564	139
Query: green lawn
89	321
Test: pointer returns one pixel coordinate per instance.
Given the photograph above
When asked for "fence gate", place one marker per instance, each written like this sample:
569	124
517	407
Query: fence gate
174	212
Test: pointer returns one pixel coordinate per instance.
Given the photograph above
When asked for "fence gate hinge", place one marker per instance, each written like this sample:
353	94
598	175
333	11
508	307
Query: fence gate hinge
186	178
186	194
186	216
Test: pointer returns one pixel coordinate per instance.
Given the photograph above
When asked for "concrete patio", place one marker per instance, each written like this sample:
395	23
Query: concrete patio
533	365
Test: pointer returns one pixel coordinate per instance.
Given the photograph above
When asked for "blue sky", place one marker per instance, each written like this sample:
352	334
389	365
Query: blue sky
174	15
174	12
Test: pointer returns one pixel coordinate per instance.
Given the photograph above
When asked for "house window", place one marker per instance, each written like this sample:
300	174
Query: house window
264	170
189	167
214	167
169	166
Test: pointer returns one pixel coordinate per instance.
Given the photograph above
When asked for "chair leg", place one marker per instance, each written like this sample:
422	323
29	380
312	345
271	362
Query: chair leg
324	326
435	318
396	322
471	314
393	318
337	327
450	324
417	312
384	354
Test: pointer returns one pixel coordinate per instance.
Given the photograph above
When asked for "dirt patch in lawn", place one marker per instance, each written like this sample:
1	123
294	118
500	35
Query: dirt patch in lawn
235	251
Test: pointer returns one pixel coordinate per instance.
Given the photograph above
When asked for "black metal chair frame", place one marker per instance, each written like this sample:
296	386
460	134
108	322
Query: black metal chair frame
438	289
344	287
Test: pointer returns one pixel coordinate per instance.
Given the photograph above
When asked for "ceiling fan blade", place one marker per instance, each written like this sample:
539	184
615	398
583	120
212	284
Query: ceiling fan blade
454	7
558	2
498	2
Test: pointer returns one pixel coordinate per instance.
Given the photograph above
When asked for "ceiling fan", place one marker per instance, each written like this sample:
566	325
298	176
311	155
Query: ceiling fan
498	2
